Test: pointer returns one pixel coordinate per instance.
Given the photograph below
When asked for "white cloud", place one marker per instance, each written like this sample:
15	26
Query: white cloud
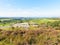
12	12
7	10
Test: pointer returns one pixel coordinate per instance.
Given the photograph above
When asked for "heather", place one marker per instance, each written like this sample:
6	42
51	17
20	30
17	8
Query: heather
41	36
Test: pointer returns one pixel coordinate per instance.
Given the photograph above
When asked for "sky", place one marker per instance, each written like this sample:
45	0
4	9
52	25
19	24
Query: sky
29	8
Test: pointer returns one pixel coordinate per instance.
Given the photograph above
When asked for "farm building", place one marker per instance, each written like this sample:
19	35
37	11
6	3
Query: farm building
24	25
33	24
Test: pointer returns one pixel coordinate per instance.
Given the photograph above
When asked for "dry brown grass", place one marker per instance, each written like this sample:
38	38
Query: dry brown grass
41	36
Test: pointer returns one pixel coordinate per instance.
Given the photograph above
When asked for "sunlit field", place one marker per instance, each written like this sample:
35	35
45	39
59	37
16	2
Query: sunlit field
29	31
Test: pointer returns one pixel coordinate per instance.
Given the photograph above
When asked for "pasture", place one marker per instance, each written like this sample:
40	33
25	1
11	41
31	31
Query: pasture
47	31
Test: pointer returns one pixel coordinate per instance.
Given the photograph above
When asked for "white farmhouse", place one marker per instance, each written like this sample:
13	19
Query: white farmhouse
24	25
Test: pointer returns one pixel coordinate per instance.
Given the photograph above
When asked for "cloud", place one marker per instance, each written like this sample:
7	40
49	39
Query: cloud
8	8
13	12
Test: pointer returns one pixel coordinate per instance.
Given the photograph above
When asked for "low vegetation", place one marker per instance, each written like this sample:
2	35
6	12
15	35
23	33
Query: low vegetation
47	32
30	37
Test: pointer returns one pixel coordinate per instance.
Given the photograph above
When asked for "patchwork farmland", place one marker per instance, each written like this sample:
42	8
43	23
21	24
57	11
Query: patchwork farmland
30	31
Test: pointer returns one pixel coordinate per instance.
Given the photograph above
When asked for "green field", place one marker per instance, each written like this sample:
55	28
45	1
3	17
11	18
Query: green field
47	32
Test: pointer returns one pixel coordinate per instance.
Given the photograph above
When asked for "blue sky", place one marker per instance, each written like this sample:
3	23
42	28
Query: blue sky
30	8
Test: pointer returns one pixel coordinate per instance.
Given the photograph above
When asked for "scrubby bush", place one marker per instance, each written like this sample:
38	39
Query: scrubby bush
30	37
